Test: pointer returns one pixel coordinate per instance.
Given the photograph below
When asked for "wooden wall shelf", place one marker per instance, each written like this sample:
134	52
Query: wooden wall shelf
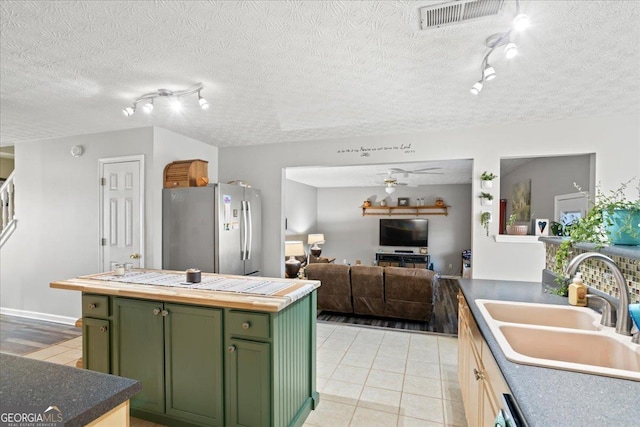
405	210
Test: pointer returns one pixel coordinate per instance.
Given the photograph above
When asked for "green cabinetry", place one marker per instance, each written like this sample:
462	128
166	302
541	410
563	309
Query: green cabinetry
176	352
207	366
96	333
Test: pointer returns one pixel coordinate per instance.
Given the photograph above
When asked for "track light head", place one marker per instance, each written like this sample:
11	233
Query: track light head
148	107
203	102
510	50
176	105
128	111
520	22
489	72
476	88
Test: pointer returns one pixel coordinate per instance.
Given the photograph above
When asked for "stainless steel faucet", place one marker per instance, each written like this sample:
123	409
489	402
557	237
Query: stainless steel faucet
623	321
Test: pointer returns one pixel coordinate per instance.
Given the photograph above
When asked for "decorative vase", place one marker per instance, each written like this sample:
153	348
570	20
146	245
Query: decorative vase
366	204
486	202
623	227
486	184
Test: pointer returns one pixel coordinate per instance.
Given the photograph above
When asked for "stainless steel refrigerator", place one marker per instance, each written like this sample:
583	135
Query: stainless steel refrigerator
216	228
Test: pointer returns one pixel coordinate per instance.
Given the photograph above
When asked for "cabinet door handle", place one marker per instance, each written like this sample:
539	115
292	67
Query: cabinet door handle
103	329
165	313
156	311
246	325
91	306
231	348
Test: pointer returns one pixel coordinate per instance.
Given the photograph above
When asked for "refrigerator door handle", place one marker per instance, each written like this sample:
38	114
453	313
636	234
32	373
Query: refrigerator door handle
250	228
243	237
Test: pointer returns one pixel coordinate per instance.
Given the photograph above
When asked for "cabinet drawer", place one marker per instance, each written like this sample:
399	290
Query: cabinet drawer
95	305
245	324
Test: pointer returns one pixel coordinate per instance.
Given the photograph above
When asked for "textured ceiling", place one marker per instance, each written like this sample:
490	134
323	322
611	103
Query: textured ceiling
279	71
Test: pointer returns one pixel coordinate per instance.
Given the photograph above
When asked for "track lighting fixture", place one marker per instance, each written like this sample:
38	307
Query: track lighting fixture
174	97
487	72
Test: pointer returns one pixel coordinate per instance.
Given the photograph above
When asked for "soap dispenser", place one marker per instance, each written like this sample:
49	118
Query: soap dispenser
578	292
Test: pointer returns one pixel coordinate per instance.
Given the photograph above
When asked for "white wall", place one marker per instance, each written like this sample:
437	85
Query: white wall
351	236
614	139
58	229
301	210
57	206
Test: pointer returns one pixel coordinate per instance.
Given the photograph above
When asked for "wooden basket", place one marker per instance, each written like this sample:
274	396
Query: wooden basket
186	173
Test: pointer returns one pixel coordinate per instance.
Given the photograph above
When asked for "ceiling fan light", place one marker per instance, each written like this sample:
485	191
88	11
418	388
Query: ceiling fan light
128	111
476	88
510	50
520	22
489	72
389	189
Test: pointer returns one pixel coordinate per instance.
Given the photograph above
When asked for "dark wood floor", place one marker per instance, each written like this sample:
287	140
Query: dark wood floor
20	336
443	321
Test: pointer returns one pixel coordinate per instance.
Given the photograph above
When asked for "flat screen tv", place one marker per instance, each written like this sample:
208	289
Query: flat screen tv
404	232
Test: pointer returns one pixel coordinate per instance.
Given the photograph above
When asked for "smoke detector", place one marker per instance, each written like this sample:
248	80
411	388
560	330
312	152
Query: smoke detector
457	12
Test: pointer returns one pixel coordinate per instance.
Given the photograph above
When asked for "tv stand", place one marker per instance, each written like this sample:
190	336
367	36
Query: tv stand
409	260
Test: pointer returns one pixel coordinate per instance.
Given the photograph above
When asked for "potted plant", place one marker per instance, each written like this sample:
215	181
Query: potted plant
514	229
485	219
486	199
612	219
486	179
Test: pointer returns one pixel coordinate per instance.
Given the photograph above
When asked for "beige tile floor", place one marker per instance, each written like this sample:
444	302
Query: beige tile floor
373	377
366	378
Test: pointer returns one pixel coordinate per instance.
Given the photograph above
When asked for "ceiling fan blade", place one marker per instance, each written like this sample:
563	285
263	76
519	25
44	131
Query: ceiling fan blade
401	183
429	173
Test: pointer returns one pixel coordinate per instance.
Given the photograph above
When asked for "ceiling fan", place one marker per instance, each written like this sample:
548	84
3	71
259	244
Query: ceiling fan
390	183
405	173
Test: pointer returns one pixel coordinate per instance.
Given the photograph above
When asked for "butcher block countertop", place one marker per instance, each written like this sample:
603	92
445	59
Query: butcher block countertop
215	290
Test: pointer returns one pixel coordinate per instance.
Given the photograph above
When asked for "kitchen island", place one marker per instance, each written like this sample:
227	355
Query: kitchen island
552	397
228	351
62	394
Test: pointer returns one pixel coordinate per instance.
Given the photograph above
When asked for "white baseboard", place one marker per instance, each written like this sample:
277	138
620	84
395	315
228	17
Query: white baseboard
38	316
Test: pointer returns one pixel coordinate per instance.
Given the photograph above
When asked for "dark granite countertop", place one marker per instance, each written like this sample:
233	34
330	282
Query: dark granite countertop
81	395
631	252
553	397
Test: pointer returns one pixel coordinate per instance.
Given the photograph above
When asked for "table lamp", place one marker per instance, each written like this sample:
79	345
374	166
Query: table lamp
293	249
315	239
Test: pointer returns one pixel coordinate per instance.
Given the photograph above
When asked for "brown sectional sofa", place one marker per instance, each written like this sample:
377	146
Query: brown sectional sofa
397	292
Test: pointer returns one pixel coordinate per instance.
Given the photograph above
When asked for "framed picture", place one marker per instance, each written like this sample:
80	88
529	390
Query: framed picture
542	226
403	201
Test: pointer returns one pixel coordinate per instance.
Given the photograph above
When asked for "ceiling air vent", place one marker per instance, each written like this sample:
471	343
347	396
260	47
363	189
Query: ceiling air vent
457	12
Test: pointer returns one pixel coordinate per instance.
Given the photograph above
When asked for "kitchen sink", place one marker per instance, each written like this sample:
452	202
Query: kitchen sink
542	314
560	337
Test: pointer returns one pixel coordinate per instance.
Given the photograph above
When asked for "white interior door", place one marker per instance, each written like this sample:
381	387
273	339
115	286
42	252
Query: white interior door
122	212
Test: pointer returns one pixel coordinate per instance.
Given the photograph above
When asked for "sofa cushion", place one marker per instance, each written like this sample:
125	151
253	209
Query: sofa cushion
408	293
334	293
367	285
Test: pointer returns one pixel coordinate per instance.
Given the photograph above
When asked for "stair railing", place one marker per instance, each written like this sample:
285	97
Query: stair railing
8	220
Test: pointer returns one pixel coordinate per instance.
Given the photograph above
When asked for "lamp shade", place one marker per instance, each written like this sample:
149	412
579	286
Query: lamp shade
293	248
315	238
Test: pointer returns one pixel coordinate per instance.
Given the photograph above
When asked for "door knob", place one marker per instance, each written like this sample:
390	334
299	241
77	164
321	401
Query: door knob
134	256
156	311
231	348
